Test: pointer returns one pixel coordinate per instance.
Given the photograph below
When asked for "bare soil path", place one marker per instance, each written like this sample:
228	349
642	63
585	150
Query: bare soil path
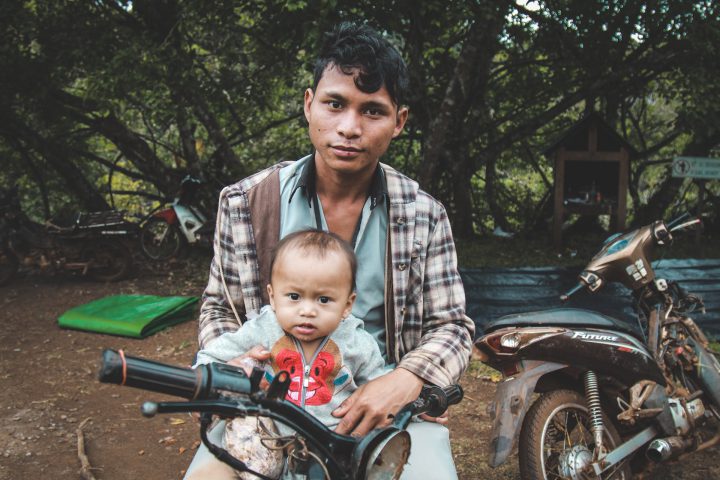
48	387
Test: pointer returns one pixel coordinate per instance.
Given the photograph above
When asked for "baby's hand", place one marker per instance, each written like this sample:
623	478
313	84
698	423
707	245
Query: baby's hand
253	358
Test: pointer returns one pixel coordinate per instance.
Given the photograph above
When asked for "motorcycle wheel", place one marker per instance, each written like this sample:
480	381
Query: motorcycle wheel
8	265
159	240
556	440
109	261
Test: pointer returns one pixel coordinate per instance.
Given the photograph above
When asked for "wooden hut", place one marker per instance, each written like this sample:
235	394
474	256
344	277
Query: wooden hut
591	170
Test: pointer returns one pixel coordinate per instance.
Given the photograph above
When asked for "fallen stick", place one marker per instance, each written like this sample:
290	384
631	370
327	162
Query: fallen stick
85	467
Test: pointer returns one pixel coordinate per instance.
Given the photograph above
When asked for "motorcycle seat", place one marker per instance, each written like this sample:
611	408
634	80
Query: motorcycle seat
565	317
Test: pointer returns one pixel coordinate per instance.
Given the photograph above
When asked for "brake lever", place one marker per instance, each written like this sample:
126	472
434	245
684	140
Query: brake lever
150	409
566	296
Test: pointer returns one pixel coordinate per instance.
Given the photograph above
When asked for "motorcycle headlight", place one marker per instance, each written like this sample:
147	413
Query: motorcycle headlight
511	341
382	454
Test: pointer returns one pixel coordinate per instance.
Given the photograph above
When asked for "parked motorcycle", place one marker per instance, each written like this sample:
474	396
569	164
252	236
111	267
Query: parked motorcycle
226	391
94	245
607	390
168	230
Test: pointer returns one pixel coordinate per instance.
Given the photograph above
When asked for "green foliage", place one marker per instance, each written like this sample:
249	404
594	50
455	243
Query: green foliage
134	95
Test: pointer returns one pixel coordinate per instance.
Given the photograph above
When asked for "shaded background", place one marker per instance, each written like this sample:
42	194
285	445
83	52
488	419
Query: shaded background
494	292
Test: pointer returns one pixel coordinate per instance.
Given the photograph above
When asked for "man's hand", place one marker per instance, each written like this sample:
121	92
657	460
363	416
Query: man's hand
373	404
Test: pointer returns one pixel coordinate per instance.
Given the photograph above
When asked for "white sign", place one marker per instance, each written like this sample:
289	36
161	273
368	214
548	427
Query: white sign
696	167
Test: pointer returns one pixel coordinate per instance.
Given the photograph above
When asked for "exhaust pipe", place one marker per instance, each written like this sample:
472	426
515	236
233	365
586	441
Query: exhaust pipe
662	449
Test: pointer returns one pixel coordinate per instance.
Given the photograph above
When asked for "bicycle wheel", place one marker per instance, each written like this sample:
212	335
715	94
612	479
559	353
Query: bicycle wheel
108	261
159	240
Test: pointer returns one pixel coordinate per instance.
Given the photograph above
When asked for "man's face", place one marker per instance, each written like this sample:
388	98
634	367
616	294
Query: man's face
350	129
311	295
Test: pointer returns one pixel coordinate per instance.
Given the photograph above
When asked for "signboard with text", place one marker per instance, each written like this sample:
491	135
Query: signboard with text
696	167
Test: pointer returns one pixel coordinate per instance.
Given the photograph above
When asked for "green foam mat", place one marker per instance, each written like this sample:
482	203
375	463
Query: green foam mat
136	316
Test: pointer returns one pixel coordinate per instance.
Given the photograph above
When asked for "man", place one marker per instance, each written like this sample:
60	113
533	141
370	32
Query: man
409	291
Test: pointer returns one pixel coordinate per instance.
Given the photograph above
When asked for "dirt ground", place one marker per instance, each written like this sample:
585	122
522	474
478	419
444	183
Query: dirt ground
49	387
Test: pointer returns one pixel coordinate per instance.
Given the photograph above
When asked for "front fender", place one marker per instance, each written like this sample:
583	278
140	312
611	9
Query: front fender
511	403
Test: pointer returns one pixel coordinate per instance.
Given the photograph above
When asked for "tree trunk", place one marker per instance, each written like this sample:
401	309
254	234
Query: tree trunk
459	118
463	224
491	194
132	145
59	159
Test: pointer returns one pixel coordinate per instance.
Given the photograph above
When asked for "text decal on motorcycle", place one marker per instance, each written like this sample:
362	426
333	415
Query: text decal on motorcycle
595	336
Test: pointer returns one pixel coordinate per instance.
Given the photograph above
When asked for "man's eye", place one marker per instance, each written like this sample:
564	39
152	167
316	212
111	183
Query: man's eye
324	299
375	111
334	104
294	296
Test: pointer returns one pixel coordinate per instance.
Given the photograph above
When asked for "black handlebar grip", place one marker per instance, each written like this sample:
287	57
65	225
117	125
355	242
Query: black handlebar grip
454	394
135	372
437	399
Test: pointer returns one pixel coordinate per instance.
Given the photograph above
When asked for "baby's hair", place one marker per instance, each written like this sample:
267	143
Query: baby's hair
318	242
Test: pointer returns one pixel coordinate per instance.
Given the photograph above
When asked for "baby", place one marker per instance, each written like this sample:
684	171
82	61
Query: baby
308	330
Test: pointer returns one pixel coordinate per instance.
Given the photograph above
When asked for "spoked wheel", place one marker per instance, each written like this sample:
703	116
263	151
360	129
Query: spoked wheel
8	265
108	261
556	441
159	240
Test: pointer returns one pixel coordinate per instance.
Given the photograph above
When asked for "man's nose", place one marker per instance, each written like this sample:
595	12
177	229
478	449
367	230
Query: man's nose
349	124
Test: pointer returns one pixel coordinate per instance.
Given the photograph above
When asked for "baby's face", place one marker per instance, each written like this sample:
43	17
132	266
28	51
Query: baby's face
311	295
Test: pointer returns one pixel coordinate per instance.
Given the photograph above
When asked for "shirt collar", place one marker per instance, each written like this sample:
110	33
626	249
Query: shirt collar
378	186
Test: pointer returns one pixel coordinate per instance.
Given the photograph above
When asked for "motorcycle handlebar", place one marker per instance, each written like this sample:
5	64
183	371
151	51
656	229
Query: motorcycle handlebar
201	383
683	222
678	220
208	381
433	401
440	399
122	369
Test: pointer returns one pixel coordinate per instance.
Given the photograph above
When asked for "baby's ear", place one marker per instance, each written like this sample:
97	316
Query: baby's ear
270	296
349	305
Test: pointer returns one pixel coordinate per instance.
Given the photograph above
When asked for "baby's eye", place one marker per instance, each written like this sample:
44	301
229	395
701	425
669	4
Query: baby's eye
294	296
324	299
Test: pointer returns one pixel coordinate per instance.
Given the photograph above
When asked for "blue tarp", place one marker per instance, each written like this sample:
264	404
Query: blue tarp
494	292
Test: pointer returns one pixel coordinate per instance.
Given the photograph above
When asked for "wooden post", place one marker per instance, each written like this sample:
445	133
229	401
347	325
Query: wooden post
559	197
701	203
623	171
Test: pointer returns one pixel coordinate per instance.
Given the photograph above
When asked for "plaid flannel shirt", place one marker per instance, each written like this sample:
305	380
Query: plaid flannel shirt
427	330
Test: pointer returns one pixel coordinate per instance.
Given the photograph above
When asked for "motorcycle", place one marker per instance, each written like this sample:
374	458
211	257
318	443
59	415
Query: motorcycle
226	391
606	389
167	231
94	244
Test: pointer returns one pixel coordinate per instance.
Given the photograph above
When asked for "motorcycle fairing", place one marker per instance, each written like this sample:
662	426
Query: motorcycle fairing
512	401
603	351
168	215
565	317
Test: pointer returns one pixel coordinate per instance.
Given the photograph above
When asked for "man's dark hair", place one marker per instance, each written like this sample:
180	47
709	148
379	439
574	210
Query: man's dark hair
351	46
318	242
